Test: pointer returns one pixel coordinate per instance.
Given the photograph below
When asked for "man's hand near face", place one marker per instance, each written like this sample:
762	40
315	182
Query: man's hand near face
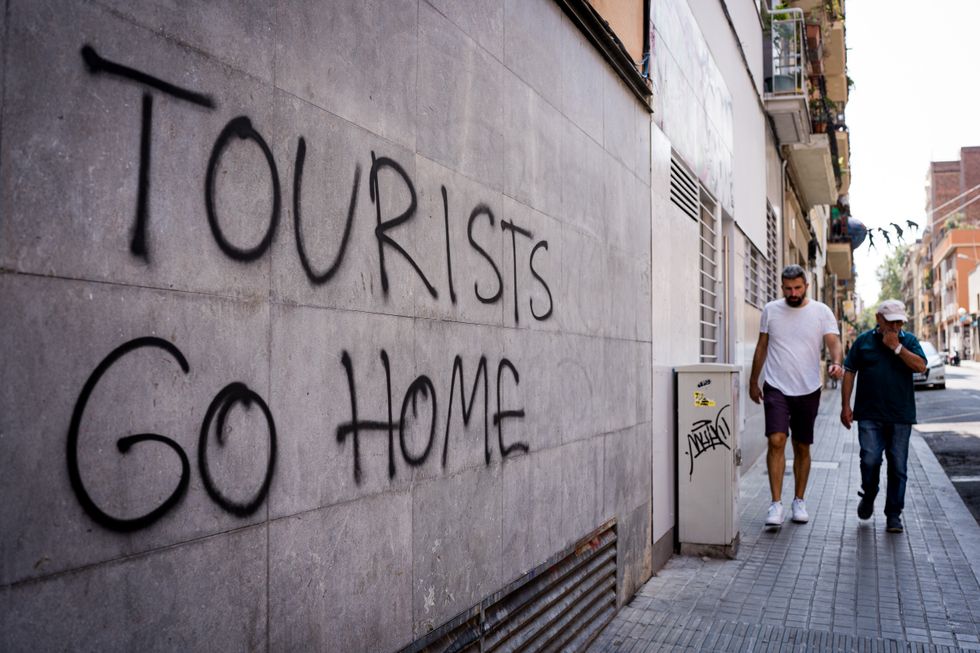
889	335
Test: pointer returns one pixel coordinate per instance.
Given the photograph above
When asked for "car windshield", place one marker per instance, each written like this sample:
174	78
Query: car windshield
928	349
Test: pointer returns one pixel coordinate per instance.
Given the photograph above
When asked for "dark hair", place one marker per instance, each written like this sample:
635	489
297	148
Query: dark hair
794	272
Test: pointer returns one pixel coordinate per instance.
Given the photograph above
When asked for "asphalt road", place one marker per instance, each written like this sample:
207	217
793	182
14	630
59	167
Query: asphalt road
949	420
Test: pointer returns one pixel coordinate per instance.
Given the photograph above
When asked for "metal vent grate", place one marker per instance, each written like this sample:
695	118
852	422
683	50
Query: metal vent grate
683	187
561	605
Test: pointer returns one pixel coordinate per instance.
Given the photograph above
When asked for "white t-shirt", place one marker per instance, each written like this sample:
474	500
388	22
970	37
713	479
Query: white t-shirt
795	341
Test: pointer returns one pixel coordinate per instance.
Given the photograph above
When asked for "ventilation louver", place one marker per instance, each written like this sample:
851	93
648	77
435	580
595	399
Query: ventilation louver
683	188
559	606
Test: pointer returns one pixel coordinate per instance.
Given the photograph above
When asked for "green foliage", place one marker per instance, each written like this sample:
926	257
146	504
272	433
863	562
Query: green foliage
866	320
890	274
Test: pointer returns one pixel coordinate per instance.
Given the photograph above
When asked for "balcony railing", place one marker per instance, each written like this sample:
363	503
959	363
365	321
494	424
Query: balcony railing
787	41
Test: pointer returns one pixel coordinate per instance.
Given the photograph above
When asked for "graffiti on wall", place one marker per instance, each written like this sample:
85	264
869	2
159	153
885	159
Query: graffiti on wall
420	392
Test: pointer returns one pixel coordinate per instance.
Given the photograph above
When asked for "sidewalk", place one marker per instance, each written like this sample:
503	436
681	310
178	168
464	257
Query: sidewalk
834	584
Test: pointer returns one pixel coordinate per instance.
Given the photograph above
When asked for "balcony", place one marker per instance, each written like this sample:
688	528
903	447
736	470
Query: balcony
813	170
950	278
839	259
785	82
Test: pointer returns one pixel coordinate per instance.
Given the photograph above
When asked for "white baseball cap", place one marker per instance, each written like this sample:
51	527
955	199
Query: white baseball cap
892	310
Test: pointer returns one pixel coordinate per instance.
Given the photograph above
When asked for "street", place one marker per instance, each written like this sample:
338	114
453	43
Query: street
949	420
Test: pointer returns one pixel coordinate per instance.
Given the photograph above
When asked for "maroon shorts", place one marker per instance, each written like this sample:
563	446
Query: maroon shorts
788	414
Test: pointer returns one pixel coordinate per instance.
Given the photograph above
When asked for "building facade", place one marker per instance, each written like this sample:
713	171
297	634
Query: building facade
947	254
330	325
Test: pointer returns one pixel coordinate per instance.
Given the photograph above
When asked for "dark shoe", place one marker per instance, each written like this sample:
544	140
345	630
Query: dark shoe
866	506
893	524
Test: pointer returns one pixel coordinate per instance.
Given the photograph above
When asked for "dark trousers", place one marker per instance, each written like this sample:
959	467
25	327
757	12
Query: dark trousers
892	440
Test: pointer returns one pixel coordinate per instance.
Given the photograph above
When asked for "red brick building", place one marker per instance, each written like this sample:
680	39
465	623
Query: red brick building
953	187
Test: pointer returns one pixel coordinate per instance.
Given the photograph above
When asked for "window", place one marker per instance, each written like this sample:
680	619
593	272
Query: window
772	256
756	276
709	270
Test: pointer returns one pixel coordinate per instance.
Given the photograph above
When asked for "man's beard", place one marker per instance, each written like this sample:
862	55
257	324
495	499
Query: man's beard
794	301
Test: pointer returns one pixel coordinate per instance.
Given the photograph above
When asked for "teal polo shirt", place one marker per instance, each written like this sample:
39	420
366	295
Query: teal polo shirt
885	392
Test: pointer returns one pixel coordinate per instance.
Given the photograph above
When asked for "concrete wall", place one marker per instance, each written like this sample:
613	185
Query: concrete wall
345	199
707	111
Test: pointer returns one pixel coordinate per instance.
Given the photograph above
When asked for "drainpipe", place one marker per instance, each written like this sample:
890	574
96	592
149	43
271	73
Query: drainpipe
782	209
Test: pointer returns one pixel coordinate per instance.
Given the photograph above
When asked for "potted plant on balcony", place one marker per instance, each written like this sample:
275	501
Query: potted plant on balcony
819	112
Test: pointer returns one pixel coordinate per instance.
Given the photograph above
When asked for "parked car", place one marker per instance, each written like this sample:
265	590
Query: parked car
935	374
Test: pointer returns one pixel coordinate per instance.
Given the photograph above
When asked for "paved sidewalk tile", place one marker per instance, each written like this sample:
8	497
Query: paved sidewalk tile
834	584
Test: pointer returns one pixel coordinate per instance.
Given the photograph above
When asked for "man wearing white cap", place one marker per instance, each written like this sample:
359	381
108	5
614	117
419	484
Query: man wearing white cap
883	360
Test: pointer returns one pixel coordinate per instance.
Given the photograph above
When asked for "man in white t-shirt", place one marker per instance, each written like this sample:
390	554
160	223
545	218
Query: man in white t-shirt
792	333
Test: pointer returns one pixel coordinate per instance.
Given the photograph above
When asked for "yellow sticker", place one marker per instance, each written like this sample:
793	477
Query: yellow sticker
700	399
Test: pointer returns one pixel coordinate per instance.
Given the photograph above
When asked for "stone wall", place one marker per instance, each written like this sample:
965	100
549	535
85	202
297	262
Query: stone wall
321	320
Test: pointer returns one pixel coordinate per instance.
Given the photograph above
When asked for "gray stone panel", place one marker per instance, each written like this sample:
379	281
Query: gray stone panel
644	382
504	105
437	345
582	186
460	101
641	144
624	279
644	310
532	159
240	34
619	124
582	73
532	528
311	394
482	21
581	370
456	544
71	157
586	296
532	45
582	465
539	284
335	149
618	394
628	210
470	269
635	550
340	578
540	392
628	460
200	596
355	59
63	331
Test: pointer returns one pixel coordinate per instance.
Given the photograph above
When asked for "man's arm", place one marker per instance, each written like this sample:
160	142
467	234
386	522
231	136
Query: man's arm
846	415
912	360
758	360
832	342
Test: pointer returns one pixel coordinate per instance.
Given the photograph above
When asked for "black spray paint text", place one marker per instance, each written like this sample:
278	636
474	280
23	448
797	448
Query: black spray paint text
356	427
242	128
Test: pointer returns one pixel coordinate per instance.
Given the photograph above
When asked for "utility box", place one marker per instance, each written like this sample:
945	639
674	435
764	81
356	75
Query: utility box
707	460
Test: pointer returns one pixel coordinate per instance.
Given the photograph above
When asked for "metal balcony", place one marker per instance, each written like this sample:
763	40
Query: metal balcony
785	81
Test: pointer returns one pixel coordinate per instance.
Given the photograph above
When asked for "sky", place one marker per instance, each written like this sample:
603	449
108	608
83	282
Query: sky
915	99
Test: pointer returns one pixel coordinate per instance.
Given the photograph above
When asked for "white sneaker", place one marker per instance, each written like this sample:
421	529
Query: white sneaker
775	515
800	515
